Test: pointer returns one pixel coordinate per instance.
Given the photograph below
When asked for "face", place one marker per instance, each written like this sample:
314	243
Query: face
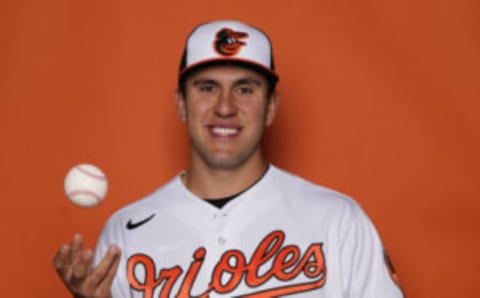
226	109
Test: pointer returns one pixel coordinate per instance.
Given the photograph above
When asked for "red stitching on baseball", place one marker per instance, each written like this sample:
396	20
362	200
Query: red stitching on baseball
90	174
85	192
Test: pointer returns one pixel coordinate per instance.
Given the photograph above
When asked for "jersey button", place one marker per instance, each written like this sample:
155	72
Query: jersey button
221	240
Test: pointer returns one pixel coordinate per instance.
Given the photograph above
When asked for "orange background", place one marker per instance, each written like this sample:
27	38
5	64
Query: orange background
379	101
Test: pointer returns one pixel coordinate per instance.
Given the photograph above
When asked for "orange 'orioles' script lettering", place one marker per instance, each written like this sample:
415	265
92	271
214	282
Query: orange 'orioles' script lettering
271	259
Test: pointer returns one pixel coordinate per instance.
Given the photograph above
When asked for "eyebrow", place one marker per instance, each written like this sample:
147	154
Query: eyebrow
204	81
248	81
242	81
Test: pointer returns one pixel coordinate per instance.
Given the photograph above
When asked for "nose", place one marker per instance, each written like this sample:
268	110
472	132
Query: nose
225	106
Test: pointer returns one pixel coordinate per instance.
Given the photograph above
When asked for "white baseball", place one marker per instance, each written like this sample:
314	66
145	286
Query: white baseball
86	185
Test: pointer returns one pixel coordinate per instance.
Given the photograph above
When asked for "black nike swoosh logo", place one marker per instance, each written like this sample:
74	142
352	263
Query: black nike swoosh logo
133	225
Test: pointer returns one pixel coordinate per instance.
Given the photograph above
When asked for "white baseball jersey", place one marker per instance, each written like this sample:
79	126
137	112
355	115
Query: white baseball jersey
283	237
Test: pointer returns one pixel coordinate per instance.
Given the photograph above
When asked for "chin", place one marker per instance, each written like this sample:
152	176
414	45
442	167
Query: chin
224	165
226	162
223	159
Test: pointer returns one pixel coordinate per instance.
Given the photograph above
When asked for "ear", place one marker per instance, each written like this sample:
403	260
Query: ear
181	105
272	108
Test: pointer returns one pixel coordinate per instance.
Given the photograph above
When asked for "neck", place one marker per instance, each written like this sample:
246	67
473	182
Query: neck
209	182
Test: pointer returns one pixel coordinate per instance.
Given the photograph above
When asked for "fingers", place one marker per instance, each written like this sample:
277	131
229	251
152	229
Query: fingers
75	267
98	282
106	270
62	260
80	267
76	245
67	256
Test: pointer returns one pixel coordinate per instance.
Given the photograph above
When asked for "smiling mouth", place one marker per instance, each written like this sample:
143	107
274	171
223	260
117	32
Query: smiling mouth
224	131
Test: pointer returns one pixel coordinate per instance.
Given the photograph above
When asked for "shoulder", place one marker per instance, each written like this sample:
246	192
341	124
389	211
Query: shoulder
302	189
156	201
308	197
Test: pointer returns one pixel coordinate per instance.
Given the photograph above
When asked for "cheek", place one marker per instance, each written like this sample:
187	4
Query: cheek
258	112
197	111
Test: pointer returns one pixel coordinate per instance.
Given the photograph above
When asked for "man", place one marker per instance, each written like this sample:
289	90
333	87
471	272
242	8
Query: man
231	225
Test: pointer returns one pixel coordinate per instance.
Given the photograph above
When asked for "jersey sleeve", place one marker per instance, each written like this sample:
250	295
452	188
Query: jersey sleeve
111	234
364	263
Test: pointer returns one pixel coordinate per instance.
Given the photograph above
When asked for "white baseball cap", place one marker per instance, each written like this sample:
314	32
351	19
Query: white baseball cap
228	41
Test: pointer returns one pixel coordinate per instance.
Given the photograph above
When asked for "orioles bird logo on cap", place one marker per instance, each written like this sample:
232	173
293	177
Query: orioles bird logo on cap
228	42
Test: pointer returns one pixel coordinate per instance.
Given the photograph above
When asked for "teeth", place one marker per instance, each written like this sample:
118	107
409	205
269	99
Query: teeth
224	131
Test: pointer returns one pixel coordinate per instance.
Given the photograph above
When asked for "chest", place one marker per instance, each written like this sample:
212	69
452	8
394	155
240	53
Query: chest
218	253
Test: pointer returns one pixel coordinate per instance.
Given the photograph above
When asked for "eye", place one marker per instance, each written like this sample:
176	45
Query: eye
245	90
208	88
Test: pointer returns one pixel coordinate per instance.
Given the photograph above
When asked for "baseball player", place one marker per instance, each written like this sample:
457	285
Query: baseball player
232	224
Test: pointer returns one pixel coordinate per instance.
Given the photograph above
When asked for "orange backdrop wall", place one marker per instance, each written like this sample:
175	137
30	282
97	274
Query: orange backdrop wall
379	99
